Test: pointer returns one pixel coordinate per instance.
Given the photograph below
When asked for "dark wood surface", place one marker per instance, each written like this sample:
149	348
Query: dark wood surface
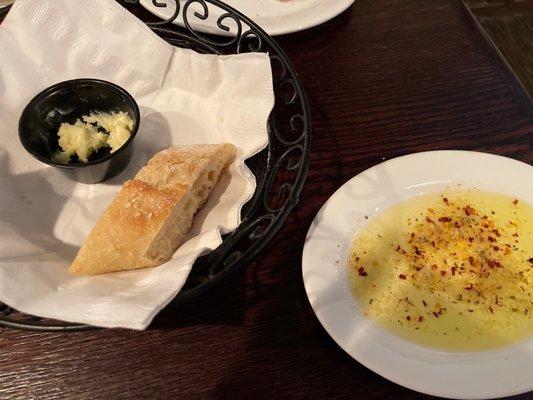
508	25
386	78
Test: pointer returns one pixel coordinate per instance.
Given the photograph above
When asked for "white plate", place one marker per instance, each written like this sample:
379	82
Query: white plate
276	17
469	375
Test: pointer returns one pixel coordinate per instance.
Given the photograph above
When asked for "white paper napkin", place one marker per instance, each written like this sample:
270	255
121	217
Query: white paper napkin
184	97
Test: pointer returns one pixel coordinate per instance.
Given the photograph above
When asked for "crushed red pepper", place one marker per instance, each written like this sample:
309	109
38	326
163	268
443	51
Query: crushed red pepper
469	210
486	244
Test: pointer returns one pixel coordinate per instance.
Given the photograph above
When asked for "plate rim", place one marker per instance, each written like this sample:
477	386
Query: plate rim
332	332
313	22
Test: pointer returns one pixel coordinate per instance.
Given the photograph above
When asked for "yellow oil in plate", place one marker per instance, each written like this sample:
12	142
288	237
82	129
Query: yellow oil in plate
451	270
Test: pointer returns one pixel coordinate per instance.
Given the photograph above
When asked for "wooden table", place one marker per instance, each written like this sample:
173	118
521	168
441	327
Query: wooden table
385	78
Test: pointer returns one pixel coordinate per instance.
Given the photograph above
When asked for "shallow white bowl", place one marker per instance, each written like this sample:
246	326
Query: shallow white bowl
468	375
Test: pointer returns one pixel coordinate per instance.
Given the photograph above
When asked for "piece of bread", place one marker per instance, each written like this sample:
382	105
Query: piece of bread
148	219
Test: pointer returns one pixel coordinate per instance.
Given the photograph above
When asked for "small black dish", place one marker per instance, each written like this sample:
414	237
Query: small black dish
66	102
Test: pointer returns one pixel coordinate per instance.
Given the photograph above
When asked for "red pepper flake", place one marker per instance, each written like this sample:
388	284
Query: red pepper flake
433	243
457	224
530	260
424	303
491	310
515	202
453	270
445	199
445	219
435	314
470	310
470	239
434	267
442	273
429	220
469	287
402	276
417	251
496	248
420	318
496	232
515	234
408	318
491	239
469	210
362	271
484	217
398	248
471	260
412	235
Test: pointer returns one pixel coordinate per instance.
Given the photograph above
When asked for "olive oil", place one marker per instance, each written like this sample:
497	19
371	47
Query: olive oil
450	270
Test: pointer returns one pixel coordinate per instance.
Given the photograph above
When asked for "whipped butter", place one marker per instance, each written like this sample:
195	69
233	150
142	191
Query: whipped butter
91	133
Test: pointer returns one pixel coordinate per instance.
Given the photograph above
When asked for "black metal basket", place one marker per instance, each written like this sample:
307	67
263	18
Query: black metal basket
280	169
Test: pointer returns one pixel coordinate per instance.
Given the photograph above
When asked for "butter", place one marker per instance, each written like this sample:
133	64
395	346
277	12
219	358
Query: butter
83	137
119	126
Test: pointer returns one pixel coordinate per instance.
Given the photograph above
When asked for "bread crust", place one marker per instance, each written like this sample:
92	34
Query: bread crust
138	218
